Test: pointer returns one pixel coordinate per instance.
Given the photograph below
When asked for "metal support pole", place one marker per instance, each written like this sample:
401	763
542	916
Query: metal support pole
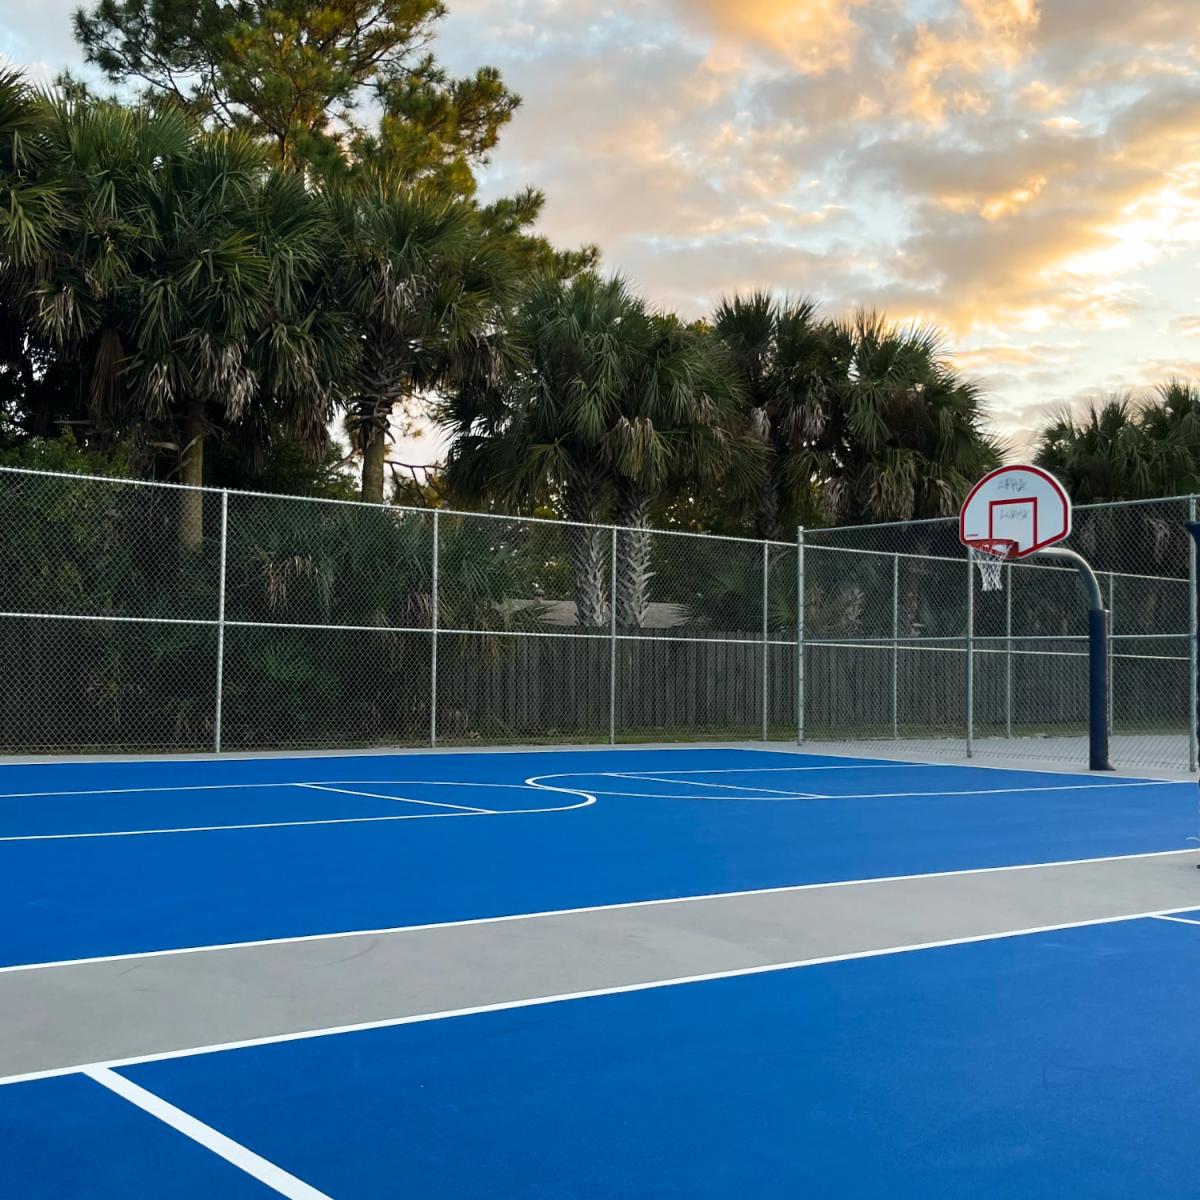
766	645
970	713
1112	628
1009	581
1098	641
800	635
896	646
1194	643
217	710
1194	732
433	636
612	644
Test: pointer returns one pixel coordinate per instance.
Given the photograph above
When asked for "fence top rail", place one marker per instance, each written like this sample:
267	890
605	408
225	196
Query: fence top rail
1023	565
951	518
118	480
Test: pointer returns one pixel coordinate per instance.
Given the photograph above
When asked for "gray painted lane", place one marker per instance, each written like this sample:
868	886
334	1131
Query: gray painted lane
73	1014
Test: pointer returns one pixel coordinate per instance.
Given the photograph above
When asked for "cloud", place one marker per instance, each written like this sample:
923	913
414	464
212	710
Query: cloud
1024	172
812	36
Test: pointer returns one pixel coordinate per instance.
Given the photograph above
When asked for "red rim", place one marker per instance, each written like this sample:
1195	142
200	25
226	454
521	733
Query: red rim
995	547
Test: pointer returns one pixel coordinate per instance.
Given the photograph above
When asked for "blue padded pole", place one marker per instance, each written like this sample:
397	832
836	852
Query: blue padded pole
1193	527
1098	683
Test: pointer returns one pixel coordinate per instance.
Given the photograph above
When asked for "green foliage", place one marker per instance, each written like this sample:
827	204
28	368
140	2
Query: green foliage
861	419
606	407
300	75
1123	449
64	453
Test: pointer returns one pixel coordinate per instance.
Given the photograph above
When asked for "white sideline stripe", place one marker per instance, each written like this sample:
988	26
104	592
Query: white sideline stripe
532	783
233	1152
323	787
284	783
116	833
566	912
534	1001
730	787
1070	787
869	762
1177	920
876	765
866	766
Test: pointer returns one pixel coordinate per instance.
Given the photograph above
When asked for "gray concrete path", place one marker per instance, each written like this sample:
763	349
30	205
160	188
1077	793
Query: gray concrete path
69	1015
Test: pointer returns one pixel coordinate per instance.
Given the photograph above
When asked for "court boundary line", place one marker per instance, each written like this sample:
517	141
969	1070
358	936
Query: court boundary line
118	1064
503	918
215	1142
1069	787
282	783
533	783
1178	920
790	748
730	787
341	791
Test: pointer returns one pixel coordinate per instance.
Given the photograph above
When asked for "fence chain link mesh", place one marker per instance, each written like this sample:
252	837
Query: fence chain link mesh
139	616
904	640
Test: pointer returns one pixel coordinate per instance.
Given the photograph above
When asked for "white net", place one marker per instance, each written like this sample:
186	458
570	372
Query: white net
991	573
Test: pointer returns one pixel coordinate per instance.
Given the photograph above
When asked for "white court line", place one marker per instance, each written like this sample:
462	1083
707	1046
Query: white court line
533	783
535	1001
890	765
1177	920
297	939
341	791
866	766
283	783
233	1152
1071	787
730	787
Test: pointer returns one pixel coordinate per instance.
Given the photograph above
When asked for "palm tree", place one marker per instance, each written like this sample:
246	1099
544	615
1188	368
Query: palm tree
1102	453
677	428
781	354
903	435
610	404
31	207
423	286
182	277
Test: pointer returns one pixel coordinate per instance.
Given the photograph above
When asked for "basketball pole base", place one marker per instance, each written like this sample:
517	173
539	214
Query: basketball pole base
1098	681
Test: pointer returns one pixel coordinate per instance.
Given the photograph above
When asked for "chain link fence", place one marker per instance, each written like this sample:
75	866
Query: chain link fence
137	616
906	638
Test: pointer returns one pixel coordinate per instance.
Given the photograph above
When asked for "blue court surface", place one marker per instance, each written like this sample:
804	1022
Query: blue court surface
1056	1063
1052	1065
123	857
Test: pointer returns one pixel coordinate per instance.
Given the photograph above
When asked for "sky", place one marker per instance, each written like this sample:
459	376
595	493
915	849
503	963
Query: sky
1024	173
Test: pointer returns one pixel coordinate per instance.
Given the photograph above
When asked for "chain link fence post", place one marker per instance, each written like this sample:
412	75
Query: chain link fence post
1193	683
1010	580
896	647
433	638
766	644
217	708
1112	641
612	644
970	713
800	635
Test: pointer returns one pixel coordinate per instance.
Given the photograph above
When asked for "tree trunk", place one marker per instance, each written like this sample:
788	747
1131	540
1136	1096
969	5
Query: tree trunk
589	551
633	557
374	448
767	518
191	472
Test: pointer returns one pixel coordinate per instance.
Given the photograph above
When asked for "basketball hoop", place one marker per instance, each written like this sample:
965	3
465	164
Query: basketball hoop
990	556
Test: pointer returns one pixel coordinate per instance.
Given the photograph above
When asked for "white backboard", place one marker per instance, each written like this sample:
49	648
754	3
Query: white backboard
1015	510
